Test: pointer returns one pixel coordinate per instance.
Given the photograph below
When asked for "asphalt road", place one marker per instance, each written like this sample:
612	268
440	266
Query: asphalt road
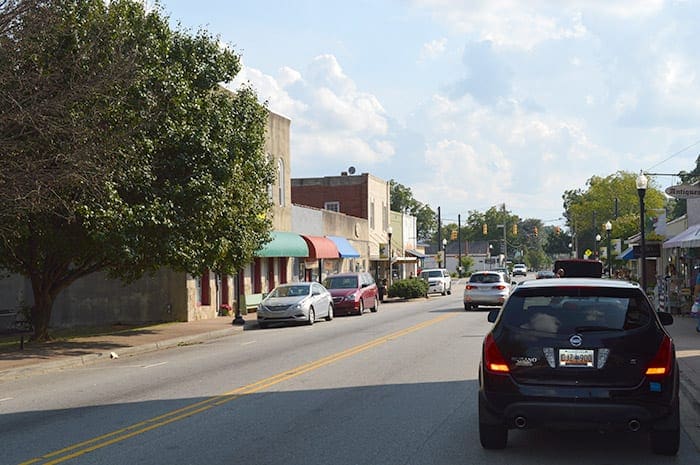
395	387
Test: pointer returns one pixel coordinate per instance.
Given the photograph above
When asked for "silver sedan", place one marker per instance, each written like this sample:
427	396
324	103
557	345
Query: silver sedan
296	302
486	288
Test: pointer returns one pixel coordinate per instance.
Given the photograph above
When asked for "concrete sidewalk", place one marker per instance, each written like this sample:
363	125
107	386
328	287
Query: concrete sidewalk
75	352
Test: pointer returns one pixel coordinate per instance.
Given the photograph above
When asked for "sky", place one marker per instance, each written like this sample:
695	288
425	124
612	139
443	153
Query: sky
476	103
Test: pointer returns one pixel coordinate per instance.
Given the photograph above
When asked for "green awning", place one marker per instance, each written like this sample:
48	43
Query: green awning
284	244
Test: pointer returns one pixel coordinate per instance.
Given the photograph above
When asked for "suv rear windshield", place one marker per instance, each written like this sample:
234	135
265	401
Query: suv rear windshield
485	278
570	310
431	274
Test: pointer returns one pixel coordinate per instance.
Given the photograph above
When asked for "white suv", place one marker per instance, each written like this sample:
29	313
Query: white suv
519	269
439	281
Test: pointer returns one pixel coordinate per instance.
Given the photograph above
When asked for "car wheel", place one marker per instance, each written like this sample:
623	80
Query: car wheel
361	308
467	307
312	316
444	292
449	292
262	325
493	436
376	305
329	317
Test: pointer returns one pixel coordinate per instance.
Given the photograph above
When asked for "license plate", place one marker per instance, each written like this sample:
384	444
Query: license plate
576	358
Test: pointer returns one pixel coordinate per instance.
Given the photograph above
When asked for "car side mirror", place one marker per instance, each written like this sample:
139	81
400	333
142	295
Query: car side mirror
666	318
493	314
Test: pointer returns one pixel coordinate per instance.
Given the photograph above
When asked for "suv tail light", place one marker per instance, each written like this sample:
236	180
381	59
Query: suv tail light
500	287
469	287
660	365
493	358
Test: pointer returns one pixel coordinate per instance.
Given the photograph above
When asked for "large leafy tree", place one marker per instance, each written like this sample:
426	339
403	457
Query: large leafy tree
121	152
587	210
402	200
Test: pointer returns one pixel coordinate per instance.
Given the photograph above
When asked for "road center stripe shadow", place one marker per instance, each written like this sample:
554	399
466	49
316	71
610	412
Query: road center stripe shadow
123	434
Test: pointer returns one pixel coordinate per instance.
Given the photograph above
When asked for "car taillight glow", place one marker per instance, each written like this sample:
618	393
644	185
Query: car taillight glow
500	287
470	287
493	359
660	365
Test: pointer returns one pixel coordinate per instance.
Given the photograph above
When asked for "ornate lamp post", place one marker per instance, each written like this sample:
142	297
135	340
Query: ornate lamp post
444	253
608	229
641	190
389	232
597	241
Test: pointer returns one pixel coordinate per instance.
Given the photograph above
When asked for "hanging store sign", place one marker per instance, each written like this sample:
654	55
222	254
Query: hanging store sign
683	191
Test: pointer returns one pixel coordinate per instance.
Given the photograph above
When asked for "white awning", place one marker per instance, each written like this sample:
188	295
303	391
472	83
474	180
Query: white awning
688	238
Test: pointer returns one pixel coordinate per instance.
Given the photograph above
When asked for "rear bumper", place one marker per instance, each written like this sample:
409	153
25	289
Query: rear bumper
617	409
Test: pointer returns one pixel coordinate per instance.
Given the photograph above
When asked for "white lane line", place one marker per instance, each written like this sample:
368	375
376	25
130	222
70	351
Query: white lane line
248	343
155	365
6	398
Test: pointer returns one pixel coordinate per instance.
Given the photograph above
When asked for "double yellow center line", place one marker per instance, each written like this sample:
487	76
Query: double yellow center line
123	434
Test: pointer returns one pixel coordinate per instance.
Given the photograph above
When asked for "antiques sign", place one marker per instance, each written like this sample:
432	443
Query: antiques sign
683	191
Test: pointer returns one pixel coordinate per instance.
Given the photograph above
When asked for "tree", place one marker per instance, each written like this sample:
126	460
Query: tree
121	152
587	210
679	207
402	200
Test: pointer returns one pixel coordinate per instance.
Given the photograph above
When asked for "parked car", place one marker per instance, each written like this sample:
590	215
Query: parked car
353	293
295	302
439	280
519	269
486	288
579	353
545	274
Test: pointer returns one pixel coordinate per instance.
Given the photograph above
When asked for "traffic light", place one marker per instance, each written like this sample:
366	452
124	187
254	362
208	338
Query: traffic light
453	235
515	229
485	229
535	230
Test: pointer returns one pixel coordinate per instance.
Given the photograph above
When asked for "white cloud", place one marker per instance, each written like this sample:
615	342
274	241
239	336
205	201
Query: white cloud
433	49
332	120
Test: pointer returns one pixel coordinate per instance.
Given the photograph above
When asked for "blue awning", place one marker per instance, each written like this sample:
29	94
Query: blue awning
628	254
344	248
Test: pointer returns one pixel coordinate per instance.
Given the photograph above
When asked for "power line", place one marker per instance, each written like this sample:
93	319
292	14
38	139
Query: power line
673	155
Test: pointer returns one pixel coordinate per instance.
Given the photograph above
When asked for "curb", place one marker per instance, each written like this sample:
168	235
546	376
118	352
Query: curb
89	359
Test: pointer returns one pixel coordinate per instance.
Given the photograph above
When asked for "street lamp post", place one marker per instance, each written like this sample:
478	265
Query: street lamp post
641	190
608	229
389	232
597	241
444	253
571	249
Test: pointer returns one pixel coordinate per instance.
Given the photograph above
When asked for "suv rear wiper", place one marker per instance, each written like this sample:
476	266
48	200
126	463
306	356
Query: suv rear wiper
582	329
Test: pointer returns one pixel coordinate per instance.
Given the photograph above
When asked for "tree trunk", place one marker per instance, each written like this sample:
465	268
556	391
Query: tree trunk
44	296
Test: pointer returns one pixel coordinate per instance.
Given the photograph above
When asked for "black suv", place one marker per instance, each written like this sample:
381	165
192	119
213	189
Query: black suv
579	353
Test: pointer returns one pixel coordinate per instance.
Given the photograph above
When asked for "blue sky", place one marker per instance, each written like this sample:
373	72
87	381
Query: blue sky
474	103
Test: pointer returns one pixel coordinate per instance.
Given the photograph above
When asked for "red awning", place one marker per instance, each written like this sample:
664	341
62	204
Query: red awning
321	247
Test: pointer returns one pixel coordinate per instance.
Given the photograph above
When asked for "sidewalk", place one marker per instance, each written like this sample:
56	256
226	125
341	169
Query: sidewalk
86	350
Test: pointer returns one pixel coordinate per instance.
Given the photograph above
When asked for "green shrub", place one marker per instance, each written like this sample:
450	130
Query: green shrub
409	288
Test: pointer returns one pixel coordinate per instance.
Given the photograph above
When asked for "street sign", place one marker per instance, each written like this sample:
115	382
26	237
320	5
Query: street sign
684	191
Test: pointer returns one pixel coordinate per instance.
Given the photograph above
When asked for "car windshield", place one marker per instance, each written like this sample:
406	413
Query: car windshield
341	282
431	274
290	291
485	278
566	311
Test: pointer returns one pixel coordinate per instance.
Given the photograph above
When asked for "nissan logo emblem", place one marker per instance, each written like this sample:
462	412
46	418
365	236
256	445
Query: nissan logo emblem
575	340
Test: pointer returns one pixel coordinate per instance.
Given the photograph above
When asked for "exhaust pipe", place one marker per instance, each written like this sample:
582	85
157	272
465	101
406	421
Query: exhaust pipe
520	422
634	425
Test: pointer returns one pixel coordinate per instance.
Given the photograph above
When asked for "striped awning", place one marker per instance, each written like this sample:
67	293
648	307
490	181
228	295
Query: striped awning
284	244
321	247
345	249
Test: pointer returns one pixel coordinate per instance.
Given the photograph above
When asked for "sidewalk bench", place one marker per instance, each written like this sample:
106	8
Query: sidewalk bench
13	322
249	302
